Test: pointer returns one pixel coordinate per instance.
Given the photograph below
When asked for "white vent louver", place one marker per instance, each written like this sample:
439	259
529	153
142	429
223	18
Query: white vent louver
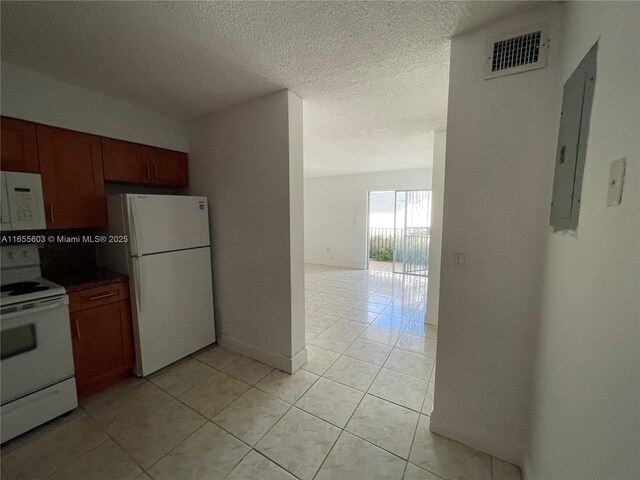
516	53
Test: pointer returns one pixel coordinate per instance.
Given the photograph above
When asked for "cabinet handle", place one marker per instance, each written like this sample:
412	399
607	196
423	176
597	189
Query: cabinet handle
103	296
78	329
51	212
148	172
155	171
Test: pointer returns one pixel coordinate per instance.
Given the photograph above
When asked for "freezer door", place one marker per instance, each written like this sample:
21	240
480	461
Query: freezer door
161	223
172	300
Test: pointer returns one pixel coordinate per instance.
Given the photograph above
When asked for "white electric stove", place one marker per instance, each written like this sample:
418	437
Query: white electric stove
37	358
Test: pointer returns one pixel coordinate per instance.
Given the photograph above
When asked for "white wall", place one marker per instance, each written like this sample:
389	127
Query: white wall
248	161
296	221
335	213
500	148
435	242
586	412
30	95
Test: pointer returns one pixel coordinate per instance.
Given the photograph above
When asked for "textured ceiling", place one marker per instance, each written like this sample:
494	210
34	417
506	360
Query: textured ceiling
373	74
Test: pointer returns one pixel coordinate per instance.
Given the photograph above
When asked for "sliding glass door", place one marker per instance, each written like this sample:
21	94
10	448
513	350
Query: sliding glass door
399	229
412	222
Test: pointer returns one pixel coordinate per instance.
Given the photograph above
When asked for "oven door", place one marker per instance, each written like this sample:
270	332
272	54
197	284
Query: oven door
36	347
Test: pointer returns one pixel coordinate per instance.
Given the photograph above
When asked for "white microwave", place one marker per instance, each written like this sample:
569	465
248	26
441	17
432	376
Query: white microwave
21	204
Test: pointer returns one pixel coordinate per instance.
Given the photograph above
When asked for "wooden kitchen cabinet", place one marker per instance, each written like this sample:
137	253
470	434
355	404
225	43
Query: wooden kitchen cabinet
102	337
168	168
72	178
19	147
125	161
133	163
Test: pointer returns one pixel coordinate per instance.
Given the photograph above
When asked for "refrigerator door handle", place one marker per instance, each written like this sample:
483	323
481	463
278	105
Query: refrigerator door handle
133	227
138	274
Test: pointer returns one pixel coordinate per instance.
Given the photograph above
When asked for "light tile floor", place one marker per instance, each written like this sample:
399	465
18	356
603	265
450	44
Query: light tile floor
359	409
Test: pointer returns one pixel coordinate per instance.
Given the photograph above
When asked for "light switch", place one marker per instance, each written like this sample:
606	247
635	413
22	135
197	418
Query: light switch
616	180
460	258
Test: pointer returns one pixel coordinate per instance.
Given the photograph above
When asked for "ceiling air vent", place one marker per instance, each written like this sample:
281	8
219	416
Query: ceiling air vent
514	54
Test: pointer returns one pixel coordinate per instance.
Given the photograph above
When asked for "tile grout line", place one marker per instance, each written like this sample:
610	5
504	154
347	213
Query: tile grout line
413	439
254	385
114	440
433	369
393	347
367	393
146	470
238	462
343	429
210	420
278	421
272	426
88	451
112	436
207	420
253	449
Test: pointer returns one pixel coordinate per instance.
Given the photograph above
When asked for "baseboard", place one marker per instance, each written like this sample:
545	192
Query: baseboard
275	360
431	319
298	360
464	432
330	263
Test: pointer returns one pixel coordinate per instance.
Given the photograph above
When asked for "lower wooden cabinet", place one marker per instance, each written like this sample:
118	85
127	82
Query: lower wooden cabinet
102	338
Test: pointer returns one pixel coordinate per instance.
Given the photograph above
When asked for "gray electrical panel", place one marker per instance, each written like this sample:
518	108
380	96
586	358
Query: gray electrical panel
577	99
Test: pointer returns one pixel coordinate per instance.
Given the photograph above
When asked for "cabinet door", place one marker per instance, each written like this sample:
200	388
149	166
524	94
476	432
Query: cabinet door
72	181
125	162
102	346
169	168
19	146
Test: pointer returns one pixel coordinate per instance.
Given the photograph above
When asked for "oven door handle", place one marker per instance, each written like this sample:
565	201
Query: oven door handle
39	307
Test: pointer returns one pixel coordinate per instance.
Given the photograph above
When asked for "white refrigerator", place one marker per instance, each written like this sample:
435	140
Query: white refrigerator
162	243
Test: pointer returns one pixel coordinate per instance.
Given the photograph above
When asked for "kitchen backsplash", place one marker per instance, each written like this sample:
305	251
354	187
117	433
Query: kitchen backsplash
60	256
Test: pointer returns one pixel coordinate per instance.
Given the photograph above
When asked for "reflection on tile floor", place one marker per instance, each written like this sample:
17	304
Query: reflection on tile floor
359	409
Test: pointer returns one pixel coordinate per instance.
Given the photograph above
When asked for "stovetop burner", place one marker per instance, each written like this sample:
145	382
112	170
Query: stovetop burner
18	286
21	282
29	289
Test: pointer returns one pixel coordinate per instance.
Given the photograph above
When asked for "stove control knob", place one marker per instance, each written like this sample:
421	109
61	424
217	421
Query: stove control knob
25	254
11	255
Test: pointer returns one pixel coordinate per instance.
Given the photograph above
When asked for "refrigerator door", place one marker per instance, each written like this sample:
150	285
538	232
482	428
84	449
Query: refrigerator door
162	223
172	303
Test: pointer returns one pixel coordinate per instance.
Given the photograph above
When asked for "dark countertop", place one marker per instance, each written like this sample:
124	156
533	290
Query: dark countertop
77	281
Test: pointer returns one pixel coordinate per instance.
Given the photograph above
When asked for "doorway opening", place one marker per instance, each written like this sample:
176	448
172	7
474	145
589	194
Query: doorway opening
399	231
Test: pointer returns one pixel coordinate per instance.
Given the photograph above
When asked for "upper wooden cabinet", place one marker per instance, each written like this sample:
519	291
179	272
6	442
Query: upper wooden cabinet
133	163
19	149
72	180
74	167
169	168
125	161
